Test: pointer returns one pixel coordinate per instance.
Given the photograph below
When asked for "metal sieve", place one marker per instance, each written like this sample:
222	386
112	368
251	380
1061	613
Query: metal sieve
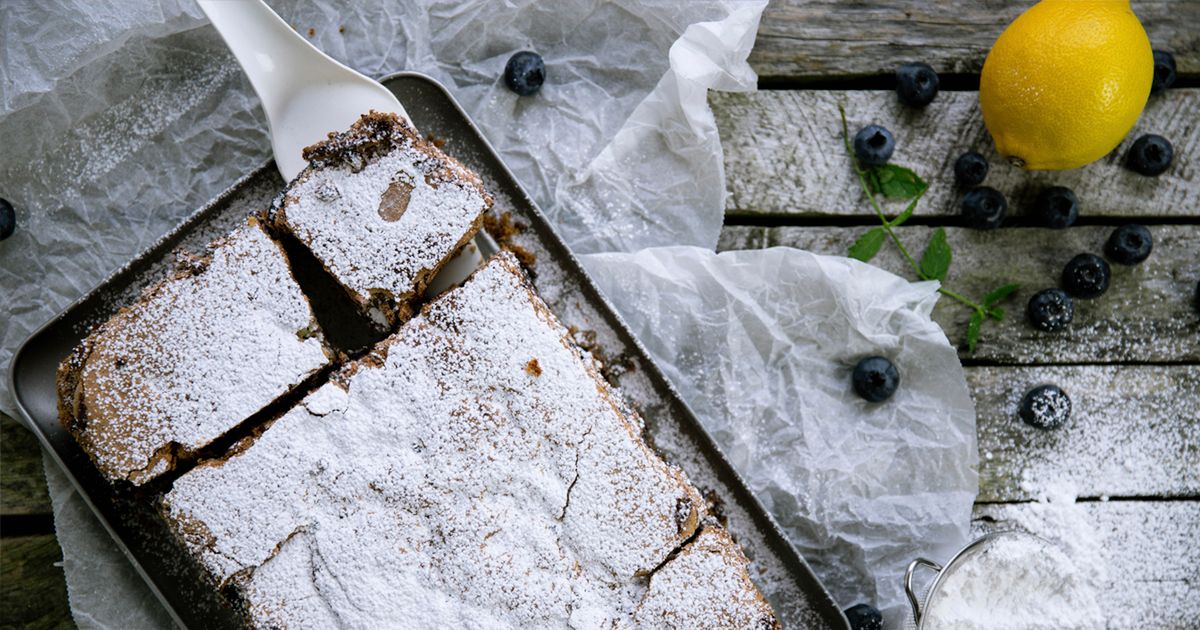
943	572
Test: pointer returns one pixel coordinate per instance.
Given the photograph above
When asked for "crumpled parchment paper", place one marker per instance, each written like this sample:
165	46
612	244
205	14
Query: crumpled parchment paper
761	344
119	119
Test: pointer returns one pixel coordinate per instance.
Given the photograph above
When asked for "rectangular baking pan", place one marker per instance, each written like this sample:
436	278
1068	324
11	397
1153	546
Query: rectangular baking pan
788	582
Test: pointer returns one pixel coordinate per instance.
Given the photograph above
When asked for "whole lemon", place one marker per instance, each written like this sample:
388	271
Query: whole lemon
1065	82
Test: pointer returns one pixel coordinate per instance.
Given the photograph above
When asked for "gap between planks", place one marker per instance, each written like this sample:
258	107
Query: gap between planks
1147	315
784	155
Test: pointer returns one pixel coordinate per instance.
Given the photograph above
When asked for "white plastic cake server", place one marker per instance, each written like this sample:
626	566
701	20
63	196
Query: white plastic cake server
306	94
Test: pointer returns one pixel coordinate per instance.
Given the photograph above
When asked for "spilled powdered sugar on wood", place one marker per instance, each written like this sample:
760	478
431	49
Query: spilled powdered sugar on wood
1087	481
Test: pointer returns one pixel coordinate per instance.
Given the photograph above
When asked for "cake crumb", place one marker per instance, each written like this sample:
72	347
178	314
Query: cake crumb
342	29
435	141
502	227
505	230
532	368
312	32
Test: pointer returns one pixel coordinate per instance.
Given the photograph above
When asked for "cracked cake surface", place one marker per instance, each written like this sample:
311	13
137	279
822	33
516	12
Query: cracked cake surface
472	471
705	586
382	210
196	355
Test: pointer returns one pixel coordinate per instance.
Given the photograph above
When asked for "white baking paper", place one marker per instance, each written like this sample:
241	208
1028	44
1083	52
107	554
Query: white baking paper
120	118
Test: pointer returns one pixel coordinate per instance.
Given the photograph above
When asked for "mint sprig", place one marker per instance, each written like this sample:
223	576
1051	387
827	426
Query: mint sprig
900	183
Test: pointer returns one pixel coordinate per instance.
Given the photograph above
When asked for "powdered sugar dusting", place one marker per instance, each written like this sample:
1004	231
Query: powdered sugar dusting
1139	556
1132	432
706	586
442	482
381	209
1015	581
198	355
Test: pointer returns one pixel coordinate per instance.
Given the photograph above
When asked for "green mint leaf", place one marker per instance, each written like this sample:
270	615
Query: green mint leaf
996	313
895	182
906	215
867	245
935	263
872	177
973	331
999	294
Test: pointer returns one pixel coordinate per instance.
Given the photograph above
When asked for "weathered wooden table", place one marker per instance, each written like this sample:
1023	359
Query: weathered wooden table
1131	360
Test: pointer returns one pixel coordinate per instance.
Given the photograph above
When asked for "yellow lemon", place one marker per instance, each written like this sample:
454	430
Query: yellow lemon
1065	82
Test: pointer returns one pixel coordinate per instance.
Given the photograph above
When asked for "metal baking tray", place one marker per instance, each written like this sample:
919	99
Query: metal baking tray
795	592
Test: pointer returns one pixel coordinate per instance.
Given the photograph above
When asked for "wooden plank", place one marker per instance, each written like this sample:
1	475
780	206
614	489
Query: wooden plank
22	478
814	39
1148	548
1134	432
33	590
784	155
1147	315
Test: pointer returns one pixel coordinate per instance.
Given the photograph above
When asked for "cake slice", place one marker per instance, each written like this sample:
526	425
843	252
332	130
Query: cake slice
472	471
223	337
382	210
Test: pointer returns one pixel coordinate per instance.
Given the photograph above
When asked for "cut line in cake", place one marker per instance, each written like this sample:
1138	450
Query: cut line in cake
224	336
202	352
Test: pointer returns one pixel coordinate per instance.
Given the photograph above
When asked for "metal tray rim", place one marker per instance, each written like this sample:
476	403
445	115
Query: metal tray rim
578	273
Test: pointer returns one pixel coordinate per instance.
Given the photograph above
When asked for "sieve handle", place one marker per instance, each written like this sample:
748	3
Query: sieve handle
908	584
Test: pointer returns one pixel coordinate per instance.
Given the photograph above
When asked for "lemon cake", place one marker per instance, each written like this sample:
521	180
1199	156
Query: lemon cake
473	470
199	353
382	210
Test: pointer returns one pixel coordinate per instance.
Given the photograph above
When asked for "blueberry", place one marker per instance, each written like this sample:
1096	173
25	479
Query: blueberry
525	73
916	84
1056	207
1150	155
875	379
8	219
1050	309
1045	407
984	208
864	617
1129	244
873	145
1086	276
970	169
1164	71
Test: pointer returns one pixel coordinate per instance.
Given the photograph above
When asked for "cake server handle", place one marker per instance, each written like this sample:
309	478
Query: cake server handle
304	92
